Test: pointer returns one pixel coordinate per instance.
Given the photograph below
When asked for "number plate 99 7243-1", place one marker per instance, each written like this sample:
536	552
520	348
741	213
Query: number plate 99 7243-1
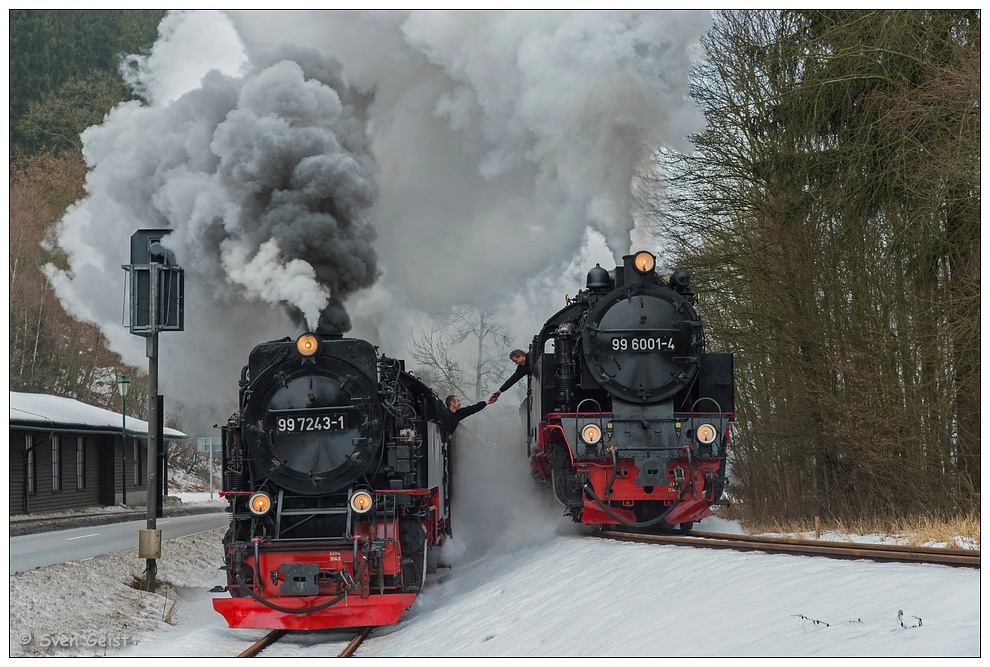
335	421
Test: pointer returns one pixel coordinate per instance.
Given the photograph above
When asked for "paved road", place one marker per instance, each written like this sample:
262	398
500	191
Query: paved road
38	550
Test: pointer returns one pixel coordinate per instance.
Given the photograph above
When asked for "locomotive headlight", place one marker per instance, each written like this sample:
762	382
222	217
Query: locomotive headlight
361	501
706	434
591	434
260	502
308	344
644	262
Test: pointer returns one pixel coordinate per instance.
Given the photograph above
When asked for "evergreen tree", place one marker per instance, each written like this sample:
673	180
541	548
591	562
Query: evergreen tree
51	47
833	207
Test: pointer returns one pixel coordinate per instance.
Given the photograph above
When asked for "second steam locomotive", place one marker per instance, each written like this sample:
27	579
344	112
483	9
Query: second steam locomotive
628	416
336	471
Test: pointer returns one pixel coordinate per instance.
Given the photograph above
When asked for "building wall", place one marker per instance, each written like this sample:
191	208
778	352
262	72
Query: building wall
80	479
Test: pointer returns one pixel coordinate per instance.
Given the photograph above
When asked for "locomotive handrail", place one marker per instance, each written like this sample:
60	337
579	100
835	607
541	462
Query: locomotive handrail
587	400
707	398
313	510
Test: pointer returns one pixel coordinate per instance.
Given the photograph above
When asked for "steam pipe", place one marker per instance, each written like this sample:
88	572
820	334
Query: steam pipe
687	450
615	470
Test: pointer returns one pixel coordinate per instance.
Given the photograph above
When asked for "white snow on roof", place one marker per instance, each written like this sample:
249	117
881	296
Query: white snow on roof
61	412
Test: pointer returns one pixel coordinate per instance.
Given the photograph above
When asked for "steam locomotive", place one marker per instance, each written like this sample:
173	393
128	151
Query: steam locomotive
627	416
337	478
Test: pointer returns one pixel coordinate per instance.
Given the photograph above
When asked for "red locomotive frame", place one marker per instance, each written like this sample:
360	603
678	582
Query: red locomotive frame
627	415
614	486
363	603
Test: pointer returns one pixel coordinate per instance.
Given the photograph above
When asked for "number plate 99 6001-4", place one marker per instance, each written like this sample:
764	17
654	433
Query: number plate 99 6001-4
643	344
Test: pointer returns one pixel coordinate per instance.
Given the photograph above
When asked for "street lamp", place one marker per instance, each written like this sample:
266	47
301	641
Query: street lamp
123	384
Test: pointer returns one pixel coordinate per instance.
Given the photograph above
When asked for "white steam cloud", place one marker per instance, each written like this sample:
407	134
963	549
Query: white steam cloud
358	168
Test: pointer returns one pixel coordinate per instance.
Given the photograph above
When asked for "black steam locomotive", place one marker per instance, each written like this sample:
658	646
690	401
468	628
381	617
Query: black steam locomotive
628	416
337	479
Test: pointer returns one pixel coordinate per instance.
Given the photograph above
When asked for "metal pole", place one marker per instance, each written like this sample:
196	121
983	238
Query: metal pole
123	445
153	417
123	384
211	468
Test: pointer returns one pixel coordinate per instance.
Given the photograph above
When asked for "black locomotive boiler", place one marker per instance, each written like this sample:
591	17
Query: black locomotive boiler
627	417
336	473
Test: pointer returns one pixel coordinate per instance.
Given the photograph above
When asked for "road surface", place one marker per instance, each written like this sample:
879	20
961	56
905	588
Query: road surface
41	549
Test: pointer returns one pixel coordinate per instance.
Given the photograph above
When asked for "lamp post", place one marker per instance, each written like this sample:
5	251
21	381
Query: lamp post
123	384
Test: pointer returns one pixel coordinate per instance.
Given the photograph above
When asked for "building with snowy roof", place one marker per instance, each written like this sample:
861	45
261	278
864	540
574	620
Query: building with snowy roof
66	455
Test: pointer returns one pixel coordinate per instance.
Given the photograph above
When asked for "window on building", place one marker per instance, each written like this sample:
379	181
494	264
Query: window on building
56	464
80	463
32	469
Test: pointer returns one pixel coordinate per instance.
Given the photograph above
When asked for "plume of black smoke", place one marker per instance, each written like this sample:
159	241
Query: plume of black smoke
483	145
503	136
264	179
288	179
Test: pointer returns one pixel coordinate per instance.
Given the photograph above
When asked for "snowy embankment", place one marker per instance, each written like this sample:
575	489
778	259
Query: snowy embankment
546	591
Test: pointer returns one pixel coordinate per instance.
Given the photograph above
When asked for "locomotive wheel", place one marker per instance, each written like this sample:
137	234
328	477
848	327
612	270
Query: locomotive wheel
566	485
241	574
685	527
412	539
235	571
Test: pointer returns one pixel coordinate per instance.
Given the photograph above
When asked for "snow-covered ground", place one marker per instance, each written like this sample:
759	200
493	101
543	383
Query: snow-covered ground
526	582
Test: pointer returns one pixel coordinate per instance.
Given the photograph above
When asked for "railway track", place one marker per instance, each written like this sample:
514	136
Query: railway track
275	635
841	550
262	644
350	648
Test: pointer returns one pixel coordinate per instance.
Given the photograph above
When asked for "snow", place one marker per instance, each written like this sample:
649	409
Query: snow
525	581
43	409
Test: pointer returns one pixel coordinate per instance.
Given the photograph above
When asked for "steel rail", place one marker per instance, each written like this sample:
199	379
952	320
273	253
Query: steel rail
350	648
846	550
275	635
262	644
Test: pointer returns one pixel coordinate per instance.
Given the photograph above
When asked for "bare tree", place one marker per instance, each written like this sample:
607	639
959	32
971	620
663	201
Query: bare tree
480	328
50	352
431	349
470	334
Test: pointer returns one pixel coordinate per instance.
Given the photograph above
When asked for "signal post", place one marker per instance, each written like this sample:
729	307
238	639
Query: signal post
156	304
